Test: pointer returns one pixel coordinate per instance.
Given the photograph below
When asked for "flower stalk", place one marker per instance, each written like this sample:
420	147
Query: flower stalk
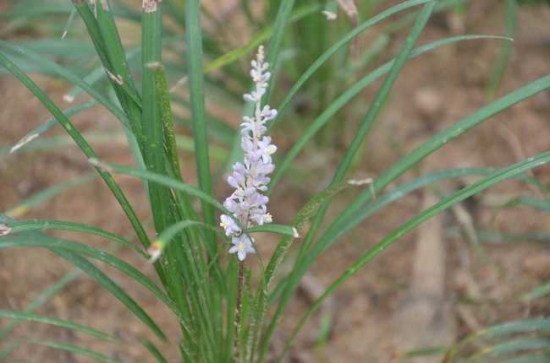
247	203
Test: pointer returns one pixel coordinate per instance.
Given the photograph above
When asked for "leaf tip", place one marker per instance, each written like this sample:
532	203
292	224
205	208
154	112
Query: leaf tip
24	141
181	82
360	181
155	251
4	229
329	15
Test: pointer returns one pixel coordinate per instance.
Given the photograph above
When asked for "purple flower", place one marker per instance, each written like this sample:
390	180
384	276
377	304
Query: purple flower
228	224
251	176
242	245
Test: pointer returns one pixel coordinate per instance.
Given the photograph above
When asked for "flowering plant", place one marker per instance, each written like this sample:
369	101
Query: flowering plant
250	178
227	311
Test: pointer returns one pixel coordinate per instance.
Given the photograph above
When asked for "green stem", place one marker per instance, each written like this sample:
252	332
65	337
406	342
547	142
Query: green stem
238	310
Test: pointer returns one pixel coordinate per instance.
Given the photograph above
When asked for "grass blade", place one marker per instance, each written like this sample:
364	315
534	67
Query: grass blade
183	143
112	287
526	326
39	225
531	358
196	90
307	212
40	300
39	9
511	347
532	202
155	352
274	48
165	109
384	91
504	57
275	228
37	131
6	351
67	75
353	91
342	42
37	302
258	40
356	143
494	178
24	316
494	237
537	293
353	214
76	249
81	142
48	193
442	138
160	179
105	38
120	75
70	348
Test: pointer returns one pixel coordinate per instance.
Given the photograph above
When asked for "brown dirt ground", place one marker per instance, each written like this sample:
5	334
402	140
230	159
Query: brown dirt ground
433	92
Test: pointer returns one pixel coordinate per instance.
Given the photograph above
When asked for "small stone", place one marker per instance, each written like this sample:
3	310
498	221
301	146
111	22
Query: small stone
428	102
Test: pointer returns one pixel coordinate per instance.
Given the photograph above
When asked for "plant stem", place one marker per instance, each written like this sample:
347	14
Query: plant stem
238	307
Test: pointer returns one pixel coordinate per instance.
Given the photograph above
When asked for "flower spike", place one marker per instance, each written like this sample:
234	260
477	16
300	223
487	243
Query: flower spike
250	178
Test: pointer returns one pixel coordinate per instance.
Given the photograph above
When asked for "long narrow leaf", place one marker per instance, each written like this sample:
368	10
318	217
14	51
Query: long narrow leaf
38	225
38	131
352	212
527	326
372	113
160	179
494	178
46	194
80	141
505	52
538	292
274	48
196	90
353	91
511	347
342	42
70	348
24	316
40	300
74	248
66	74
112	287
155	352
